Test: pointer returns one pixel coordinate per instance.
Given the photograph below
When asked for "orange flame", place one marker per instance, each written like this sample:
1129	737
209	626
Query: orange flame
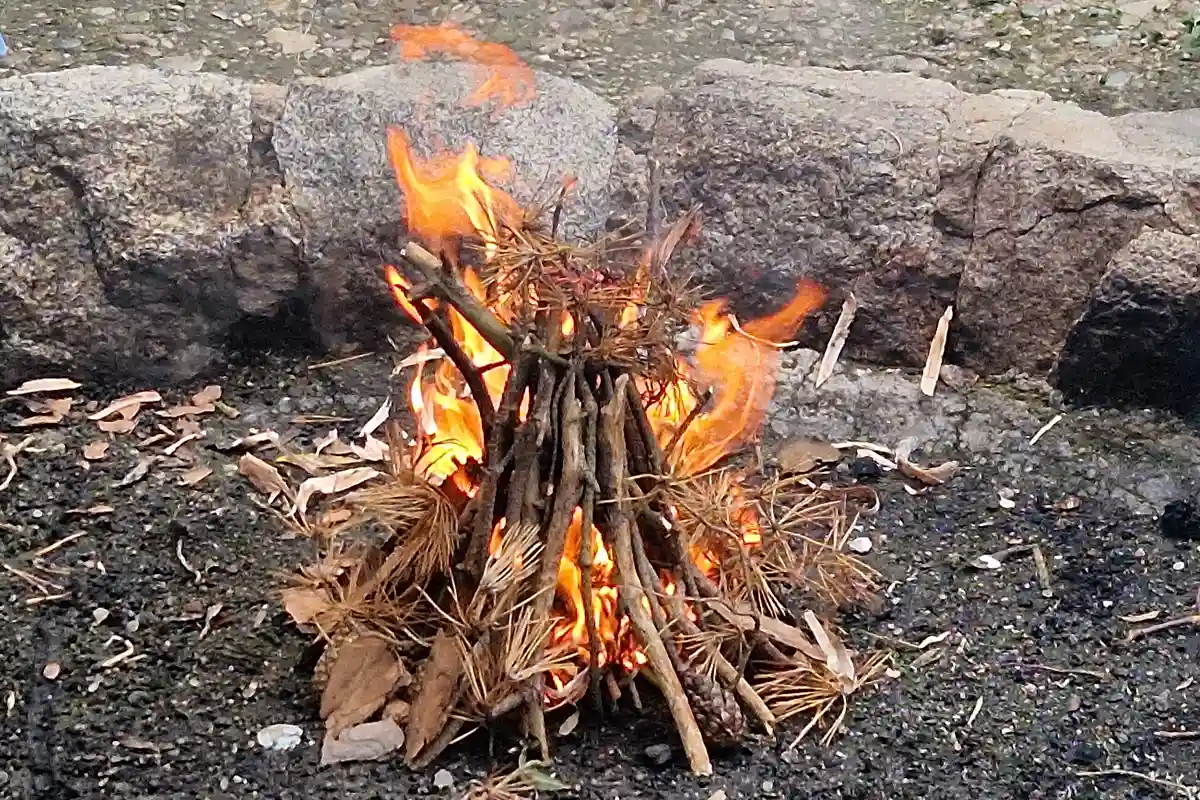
451	197
507	79
741	368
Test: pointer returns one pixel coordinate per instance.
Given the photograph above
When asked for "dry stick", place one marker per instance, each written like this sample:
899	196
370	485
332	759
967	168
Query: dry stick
525	475
448	288
497	460
645	431
1135	633
584	559
613	424
728	673
442	334
566	498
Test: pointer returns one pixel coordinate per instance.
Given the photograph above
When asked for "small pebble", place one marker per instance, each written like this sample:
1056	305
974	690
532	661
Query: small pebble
659	754
442	779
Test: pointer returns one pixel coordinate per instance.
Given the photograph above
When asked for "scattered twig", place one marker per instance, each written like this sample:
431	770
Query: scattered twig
1172	786
337	362
1091	673
1146	630
1043	570
1037	437
1177	734
199	576
50	548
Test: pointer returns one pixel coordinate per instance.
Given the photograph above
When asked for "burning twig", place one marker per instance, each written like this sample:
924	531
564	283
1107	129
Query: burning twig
632	592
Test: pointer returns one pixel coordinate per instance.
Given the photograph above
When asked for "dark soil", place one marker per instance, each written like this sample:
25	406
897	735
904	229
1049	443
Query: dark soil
998	714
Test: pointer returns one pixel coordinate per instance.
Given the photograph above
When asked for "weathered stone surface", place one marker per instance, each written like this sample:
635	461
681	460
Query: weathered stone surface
1138	339
916	196
138	221
331	146
150	219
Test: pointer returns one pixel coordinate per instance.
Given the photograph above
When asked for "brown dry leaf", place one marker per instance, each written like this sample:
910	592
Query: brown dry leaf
336	483
325	441
93	510
397	711
362	677
96	450
805	455
837	658
305	604
437	684
370	741
837	339
174	412
937	349
372	450
44	385
125	404
264	477
207	396
51	412
117	426
251	441
930	476
316	465
194	476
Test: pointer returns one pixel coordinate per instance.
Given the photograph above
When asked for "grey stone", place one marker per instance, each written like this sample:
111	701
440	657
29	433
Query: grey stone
915	196
137	223
331	147
1138	339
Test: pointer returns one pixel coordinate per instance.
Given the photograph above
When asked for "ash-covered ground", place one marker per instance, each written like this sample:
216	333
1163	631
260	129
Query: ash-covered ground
1019	693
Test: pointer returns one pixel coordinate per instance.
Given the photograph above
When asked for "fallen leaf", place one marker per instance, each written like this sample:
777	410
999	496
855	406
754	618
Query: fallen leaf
325	441
569	724
361	679
316	465
96	450
804	455
263	476
194	476
837	658
837	339
50	412
986	562
207	396
930	476
378	418
336	483
305	604
117	426
373	450
41	385
291	42
860	544
397	711
370	741
125	403
280	737
1145	616
937	349
174	412
139	471
251	442
180	442
936	638
440	674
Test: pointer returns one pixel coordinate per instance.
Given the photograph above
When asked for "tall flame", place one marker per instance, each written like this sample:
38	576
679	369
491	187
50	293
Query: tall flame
506	78
741	368
451	197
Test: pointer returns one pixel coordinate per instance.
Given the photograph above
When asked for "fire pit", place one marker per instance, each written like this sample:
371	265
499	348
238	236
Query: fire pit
569	509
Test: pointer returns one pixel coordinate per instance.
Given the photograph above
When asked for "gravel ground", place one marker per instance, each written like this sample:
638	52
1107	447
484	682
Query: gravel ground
1020	693
1111	56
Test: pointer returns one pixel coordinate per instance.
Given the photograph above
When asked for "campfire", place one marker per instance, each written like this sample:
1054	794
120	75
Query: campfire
570	510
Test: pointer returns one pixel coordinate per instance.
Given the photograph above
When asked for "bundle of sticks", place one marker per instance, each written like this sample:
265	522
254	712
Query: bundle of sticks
584	448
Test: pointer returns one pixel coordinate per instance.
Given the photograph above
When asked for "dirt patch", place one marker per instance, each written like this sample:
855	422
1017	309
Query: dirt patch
1024	693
